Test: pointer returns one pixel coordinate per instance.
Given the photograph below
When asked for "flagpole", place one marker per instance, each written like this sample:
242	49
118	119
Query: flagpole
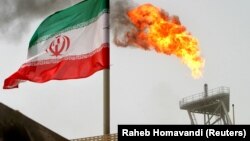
106	95
106	102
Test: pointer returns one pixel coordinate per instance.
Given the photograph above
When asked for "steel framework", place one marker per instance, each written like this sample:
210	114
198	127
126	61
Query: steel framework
212	104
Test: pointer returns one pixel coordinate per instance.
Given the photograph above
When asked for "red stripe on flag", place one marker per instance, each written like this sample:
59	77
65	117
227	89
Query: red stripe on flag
65	69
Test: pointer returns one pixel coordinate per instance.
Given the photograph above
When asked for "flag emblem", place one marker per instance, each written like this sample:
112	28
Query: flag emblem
59	46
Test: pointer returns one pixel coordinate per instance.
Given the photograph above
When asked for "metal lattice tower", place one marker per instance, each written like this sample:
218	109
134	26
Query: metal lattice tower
212	104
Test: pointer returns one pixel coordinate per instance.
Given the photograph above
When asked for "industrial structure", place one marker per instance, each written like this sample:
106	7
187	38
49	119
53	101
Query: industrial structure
110	137
15	126
212	105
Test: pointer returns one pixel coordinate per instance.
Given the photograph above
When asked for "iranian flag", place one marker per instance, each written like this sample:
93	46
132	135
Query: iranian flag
70	44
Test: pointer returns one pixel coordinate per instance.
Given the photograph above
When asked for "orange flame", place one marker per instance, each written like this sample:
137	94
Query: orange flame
155	29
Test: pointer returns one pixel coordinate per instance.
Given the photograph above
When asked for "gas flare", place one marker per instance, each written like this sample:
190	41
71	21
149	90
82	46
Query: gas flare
153	28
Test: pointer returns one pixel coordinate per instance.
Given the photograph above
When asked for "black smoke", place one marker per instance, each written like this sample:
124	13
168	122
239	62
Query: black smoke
17	15
119	21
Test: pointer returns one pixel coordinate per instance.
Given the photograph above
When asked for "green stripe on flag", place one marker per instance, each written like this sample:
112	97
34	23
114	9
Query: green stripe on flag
79	15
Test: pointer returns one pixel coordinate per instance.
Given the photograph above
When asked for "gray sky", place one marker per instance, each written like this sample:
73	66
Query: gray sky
145	86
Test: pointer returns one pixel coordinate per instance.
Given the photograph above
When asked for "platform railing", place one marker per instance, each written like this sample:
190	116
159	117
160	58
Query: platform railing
110	137
201	95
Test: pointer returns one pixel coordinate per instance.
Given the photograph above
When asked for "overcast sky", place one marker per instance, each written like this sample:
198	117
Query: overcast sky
145	86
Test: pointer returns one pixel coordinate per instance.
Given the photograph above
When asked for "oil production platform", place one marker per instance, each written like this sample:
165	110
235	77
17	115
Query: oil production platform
211	105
